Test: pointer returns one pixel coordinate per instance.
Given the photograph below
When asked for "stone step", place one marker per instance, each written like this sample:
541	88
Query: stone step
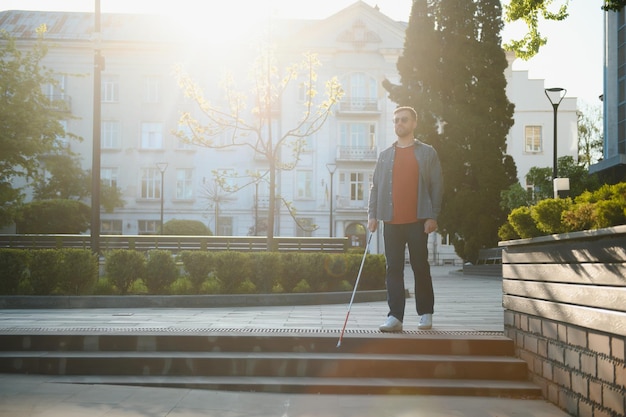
429	363
263	341
338	386
264	364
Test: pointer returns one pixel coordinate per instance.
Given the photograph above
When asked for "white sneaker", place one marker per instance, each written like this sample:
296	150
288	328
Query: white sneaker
426	322
392	324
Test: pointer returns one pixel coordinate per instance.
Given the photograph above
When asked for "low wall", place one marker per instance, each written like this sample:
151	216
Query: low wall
565	308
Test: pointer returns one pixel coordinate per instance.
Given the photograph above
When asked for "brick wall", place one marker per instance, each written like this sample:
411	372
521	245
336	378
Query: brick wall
565	309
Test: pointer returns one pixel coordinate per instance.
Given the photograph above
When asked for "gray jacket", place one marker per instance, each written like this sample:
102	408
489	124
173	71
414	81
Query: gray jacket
430	192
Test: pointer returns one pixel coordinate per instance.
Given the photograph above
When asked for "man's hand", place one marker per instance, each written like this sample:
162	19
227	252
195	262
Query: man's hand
430	225
372	225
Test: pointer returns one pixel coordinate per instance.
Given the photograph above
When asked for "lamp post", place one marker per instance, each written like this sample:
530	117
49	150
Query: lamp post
555	95
162	166
98	66
331	169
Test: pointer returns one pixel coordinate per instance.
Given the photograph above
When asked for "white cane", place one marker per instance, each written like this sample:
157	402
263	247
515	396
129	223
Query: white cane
354	290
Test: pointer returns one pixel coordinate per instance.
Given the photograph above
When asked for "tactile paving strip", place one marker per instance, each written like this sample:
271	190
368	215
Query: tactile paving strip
178	330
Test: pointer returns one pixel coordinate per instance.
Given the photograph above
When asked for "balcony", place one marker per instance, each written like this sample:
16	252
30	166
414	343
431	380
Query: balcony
357	154
354	105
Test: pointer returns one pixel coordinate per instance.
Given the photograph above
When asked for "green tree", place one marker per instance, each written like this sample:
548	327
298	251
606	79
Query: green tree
452	73
590	141
531	12
54	216
253	127
29	120
579	179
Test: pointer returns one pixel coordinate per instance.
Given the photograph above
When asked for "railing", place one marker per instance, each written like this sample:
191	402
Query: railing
352	153
175	243
358	104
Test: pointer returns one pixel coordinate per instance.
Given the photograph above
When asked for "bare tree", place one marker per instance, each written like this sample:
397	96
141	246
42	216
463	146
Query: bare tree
252	127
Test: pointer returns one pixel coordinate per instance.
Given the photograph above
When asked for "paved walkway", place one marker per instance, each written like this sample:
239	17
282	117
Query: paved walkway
463	303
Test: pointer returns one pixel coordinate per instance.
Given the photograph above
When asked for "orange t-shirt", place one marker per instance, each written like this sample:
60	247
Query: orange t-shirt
404	186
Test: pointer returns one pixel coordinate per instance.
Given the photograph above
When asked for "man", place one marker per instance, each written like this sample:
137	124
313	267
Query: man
406	194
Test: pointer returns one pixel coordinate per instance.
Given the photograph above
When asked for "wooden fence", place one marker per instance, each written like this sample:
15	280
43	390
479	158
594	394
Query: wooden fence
176	243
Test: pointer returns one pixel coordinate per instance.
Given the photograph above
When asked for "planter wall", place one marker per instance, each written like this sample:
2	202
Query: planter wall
565	308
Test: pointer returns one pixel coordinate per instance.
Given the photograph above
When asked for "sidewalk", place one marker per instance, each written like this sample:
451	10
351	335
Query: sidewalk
463	304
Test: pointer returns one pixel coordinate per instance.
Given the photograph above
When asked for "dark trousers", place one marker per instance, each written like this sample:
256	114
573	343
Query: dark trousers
397	238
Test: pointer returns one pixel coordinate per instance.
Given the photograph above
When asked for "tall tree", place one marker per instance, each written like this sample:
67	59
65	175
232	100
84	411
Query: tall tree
531	12
29	123
590	141
462	91
247	118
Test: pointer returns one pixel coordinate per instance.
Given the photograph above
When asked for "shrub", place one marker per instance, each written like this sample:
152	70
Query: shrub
138	286
182	286
211	285
54	216
79	271
246	287
580	217
13	269
523	223
507	232
123	267
161	270
302	286
198	265
104	287
266	269
45	271
547	214
232	268
186	228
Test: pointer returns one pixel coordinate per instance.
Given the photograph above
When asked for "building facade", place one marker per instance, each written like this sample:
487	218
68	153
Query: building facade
141	104
613	164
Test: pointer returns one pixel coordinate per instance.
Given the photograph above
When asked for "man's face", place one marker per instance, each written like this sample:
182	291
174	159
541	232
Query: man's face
404	123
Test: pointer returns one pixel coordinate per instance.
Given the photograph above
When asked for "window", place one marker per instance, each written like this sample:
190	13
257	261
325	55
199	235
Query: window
356	186
357	135
111	227
362	92
109	176
151	183
110	134
151	135
184	184
532	138
110	89
151	89
225	226
304	184
148	227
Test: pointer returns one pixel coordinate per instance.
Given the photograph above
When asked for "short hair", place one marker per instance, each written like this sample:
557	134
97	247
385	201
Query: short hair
406	108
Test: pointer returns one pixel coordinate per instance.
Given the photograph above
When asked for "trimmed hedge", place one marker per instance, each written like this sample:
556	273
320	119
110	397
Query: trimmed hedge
75	272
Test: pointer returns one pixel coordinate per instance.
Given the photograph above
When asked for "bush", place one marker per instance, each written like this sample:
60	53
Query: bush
182	286
198	265
13	269
211	285
523	223
104	287
54	216
547	214
266	270
302	286
123	267
246	287
79	271
161	271
45	271
232	268
186	228
138	286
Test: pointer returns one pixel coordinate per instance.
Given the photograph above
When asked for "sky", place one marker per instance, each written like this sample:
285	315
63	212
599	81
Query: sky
572	59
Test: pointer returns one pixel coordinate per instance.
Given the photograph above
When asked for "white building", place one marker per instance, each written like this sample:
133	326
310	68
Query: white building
141	103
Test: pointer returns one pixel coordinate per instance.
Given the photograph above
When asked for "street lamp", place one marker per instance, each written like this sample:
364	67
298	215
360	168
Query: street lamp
162	167
555	95
331	169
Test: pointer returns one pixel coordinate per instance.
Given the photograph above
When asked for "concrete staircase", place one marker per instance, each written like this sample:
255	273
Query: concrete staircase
424	363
